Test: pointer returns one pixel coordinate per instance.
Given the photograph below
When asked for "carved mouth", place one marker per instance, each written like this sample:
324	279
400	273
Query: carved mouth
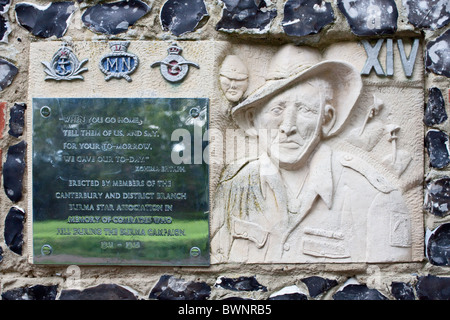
290	145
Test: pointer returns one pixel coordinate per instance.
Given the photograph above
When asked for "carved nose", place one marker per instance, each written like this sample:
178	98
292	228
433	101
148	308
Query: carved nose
288	126
288	130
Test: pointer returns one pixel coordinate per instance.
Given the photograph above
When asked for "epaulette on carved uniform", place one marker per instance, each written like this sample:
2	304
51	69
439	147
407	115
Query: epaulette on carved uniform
376	179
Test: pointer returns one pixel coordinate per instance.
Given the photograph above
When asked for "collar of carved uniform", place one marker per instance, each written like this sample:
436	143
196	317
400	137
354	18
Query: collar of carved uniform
319	171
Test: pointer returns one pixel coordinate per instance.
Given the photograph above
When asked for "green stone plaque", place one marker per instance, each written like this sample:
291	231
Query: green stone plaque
120	181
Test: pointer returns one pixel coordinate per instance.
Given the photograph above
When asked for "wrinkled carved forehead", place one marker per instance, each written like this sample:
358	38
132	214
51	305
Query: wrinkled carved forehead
312	92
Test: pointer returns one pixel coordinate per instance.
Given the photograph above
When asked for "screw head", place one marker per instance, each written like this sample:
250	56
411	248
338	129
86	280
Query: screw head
46	111
195	252
194	112
46	250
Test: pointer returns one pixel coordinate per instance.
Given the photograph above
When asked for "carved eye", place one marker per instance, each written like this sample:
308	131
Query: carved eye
307	110
277	110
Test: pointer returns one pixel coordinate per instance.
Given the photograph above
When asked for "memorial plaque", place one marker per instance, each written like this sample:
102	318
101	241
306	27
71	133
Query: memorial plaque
122	181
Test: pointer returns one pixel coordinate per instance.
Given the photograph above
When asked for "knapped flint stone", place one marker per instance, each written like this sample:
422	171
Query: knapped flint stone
5	28
436	144
358	292
13	229
305	17
100	292
13	170
289	296
40	292
114	17
37	292
437	59
245	14
437	197
1	254
402	291
17	119
179	16
4	5
171	288
438	246
435	108
288	293
16	294
317	285
431	287
370	17
8	71
432	14
240	284
45	22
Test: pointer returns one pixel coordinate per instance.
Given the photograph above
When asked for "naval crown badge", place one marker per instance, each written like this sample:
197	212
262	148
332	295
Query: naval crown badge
64	65
174	67
118	63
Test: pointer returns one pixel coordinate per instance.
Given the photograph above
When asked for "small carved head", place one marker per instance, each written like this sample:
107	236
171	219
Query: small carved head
233	78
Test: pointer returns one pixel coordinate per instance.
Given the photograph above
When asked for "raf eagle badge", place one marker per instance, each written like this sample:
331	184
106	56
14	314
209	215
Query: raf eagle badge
174	67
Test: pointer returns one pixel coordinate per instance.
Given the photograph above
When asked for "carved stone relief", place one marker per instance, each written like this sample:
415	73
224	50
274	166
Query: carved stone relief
326	163
233	78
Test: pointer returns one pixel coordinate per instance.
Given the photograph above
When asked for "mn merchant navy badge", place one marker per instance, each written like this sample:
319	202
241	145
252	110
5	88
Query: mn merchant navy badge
119	63
64	65
174	67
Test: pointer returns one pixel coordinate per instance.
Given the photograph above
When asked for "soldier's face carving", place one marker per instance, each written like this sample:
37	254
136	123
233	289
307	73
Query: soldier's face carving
293	123
233	88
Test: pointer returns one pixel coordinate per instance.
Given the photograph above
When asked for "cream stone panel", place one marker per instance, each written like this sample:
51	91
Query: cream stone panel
351	194
357	190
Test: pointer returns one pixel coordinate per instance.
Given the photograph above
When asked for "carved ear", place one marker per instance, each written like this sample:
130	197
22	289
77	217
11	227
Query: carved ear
328	119
249	118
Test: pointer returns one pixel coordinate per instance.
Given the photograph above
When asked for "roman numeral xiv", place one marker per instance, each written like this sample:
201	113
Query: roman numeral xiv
373	62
